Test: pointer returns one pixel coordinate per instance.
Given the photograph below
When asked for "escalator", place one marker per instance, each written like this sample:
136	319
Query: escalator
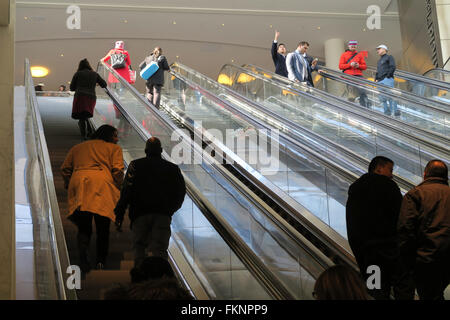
320	122
436	95
221	245
417	84
438	74
424	121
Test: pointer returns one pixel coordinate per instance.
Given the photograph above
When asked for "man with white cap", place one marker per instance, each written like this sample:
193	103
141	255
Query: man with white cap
385	75
352	63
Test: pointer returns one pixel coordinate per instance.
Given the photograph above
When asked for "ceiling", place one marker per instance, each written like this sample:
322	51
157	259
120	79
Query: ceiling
205	35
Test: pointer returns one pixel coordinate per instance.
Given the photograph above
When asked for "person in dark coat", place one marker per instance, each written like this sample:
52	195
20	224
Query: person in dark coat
155	83
83	83
278	52
154	190
372	211
424	232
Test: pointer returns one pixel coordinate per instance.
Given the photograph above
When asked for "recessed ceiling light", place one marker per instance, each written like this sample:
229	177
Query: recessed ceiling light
26	18
39	72
223	24
174	22
318	28
232	60
271	26
125	21
62	54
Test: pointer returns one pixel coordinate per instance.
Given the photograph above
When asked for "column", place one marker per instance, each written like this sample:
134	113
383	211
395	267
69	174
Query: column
333	51
7	216
443	17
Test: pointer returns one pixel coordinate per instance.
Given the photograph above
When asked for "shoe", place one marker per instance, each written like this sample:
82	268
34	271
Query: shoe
397	114
100	266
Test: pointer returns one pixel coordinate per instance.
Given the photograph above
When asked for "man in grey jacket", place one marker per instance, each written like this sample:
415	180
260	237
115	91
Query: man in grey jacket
424	232
299	65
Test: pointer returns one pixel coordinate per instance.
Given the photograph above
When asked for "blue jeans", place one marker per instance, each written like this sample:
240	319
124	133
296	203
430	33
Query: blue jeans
389	105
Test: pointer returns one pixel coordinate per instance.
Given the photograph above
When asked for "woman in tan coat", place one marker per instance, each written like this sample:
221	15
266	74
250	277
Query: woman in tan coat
93	174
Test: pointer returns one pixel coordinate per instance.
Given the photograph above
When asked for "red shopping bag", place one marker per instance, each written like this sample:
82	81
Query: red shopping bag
132	76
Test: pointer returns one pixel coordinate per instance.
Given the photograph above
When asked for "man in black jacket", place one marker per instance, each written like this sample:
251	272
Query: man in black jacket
372	211
385	75
154	190
424	232
278	52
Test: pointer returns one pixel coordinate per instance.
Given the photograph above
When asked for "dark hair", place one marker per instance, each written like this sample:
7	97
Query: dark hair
64	87
151	268
302	43
340	283
281	44
153	147
436	169
379	161
161	289
105	133
84	65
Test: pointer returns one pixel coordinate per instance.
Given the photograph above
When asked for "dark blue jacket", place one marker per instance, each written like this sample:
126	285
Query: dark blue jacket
279	60
385	67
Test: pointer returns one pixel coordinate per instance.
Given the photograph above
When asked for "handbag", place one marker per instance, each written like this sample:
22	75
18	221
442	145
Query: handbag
118	60
149	70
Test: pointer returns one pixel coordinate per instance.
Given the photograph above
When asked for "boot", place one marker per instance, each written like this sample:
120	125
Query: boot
82	126
83	246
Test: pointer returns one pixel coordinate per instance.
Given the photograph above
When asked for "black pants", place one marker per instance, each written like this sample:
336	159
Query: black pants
431	280
153	93
83	220
393	274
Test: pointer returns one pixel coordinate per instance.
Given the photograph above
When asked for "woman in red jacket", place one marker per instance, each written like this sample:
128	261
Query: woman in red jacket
352	63
120	58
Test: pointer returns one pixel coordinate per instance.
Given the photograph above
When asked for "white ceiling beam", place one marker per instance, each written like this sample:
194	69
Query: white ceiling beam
113	7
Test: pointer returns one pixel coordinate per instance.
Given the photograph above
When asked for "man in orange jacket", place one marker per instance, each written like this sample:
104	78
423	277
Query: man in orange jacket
352	63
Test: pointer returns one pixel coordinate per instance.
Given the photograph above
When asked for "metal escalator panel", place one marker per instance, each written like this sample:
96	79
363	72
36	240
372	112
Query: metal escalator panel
427	120
438	74
357	136
318	189
427	87
290	264
422	92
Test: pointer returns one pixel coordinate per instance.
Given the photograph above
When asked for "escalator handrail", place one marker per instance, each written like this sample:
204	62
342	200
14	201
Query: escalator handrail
60	255
410	76
437	69
374	118
435	105
324	232
356	158
256	178
264	275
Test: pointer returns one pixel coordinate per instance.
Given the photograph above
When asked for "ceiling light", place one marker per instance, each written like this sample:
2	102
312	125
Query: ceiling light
271	26
318	28
174	22
62	54
39	72
26	18
223	24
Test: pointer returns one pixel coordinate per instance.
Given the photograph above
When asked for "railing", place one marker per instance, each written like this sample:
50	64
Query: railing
51	255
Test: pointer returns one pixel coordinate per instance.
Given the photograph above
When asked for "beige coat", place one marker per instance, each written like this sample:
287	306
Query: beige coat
93	173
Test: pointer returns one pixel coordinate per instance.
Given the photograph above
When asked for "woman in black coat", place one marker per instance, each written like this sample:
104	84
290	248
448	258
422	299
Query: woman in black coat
156	81
83	83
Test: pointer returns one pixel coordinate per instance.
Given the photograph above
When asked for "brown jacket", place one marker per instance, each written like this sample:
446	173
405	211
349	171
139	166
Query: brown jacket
93	172
424	223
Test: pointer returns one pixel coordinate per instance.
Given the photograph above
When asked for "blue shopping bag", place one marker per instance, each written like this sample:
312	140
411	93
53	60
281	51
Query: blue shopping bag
149	70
